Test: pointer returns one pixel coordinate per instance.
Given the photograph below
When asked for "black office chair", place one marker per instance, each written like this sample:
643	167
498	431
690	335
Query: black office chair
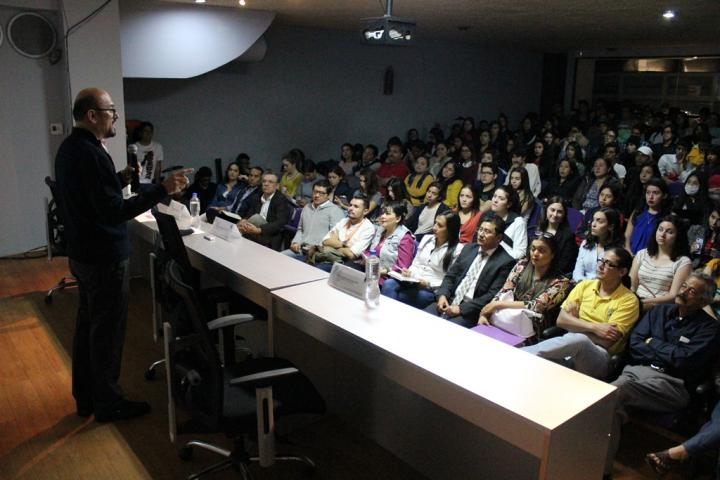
56	246
169	246
220	394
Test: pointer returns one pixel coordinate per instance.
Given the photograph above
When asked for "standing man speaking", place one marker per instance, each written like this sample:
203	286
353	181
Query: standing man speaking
95	215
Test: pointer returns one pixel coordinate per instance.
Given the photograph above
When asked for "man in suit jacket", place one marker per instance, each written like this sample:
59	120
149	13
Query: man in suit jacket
267	215
475	277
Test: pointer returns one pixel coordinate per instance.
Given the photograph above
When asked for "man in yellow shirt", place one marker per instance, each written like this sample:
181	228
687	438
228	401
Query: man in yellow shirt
598	315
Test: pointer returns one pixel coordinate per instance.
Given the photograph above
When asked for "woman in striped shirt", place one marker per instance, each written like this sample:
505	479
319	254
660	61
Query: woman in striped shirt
658	270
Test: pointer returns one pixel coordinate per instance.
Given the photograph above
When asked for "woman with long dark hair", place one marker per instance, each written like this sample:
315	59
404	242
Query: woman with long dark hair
605	233
469	212
506	204
230	188
536	282
635	191
450	180
644	218
554	220
434	256
393	243
520	182
658	270
565	182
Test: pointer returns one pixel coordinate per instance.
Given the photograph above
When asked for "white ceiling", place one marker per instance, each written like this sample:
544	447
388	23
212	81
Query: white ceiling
545	25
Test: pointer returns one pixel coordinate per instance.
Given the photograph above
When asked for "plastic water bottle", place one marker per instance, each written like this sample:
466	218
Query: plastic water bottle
372	275
195	210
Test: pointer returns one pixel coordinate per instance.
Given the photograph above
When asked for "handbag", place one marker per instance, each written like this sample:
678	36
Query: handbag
517	321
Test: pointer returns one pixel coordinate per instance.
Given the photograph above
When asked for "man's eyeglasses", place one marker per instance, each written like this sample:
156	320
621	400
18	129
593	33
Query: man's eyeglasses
689	290
113	111
541	234
606	263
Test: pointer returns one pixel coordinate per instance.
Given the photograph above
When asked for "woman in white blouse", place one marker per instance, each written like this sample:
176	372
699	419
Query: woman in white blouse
605	232
658	270
505	204
434	256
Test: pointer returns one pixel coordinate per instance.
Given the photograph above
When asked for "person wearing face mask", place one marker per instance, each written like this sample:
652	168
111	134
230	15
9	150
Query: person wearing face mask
690	205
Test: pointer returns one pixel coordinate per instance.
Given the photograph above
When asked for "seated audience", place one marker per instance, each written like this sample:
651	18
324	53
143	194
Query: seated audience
340	189
506	205
565	182
203	186
292	176
587	195
675	167
450	182
475	277
267	215
642	222
468	164
441	156
369	159
672	350
518	160
553	220
227	191
434	256
605	232
598	315
536	282
421	221
347	161
394	166
469	212
393	243
691	203
416	184
704	240
485	186
370	188
658	270
634	193
244	199
304	192
316	220
396	192
610	197
348	239
521	184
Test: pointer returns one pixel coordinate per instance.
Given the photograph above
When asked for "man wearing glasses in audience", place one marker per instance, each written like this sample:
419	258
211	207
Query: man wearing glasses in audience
95	215
672	350
267	215
476	276
316	220
598	315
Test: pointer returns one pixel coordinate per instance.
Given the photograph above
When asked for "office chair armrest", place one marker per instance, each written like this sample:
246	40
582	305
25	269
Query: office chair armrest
229	320
261	379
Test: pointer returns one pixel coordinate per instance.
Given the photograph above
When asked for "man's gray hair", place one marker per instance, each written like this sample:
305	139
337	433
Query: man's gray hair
709	282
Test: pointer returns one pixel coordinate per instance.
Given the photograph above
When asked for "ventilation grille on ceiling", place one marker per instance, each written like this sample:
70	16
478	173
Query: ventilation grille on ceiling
31	35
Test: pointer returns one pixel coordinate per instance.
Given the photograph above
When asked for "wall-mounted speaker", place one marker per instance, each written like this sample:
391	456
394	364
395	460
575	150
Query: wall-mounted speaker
31	35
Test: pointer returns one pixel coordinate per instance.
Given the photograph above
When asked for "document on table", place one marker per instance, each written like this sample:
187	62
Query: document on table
401	278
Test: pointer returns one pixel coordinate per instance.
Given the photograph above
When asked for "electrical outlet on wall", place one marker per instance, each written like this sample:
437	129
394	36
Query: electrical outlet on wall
56	129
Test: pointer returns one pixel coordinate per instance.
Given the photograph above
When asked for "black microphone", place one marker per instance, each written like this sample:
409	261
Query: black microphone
132	161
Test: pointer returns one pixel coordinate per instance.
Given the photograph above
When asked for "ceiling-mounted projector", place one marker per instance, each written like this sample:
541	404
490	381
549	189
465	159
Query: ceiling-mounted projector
388	30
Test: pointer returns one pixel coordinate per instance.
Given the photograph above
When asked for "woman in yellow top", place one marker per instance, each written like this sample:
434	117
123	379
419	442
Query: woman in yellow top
417	183
451	183
292	177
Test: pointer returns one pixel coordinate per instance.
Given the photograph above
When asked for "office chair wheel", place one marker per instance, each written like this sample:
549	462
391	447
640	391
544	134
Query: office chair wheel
185	453
150	374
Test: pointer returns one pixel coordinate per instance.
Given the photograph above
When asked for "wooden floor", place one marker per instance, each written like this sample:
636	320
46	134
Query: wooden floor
42	438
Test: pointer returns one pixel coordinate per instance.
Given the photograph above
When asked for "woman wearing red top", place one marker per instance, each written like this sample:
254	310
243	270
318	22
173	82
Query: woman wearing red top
469	212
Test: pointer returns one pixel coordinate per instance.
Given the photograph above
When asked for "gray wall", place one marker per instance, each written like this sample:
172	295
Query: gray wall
316	89
33	94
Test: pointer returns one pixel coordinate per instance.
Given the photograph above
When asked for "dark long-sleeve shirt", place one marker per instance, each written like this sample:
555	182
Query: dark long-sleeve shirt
683	348
89	196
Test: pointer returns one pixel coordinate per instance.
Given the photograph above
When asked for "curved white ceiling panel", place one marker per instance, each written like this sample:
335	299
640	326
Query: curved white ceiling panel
183	41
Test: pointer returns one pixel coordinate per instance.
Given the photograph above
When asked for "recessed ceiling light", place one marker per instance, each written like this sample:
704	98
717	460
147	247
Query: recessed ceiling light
242	3
668	14
199	1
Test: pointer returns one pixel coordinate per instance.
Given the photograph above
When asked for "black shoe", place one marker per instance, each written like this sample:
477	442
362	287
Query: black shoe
123	410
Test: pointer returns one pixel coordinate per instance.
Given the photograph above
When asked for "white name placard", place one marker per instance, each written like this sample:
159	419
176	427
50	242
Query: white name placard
347	280
225	230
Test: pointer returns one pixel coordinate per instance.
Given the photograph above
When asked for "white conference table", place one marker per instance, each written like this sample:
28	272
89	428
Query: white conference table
559	416
242	265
